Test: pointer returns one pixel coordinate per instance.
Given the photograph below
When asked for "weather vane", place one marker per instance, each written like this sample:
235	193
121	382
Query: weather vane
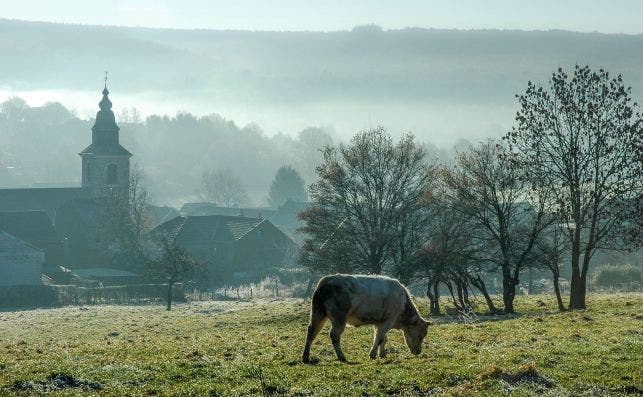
106	79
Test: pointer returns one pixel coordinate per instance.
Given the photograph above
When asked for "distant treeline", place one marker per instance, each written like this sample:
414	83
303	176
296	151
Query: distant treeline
41	145
365	63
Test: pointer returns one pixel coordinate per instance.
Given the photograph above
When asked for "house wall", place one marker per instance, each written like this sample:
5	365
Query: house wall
20	263
216	255
263	249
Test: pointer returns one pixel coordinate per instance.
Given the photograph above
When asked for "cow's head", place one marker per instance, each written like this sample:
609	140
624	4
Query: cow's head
414	334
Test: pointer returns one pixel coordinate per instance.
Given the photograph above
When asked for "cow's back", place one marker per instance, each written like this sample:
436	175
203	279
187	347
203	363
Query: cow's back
360	299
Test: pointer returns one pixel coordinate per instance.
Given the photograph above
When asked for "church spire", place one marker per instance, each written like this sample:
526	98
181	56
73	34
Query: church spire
105	104
105	161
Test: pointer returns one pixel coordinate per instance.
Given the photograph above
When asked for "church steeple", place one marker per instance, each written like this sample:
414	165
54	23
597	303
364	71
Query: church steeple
105	161
105	104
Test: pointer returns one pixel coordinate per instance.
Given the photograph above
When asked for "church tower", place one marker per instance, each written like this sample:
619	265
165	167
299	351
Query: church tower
105	161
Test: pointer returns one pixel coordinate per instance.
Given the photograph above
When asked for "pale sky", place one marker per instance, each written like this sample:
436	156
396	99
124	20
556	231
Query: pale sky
607	16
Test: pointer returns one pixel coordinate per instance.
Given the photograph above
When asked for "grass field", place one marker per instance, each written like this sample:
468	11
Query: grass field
220	349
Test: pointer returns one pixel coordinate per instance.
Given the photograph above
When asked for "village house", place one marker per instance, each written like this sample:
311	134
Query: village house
235	249
20	262
35	228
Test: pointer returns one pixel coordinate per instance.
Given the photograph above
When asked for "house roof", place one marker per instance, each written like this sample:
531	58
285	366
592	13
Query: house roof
10	244
106	149
34	227
211	227
44	199
159	215
194	209
102	272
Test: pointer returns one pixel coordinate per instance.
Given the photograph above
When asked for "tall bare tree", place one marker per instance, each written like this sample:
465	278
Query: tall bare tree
486	187
125	221
584	136
550	250
453	253
366	190
224	188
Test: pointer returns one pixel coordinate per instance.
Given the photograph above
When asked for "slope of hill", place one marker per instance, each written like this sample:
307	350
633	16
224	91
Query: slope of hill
366	63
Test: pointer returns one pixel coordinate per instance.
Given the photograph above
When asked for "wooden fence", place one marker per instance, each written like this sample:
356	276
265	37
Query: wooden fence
31	296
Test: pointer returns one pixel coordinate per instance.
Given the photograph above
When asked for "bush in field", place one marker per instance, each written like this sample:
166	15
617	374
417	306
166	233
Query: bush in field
612	276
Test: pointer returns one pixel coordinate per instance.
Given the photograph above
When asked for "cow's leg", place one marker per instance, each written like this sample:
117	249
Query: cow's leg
317	321
336	336
382	348
380	337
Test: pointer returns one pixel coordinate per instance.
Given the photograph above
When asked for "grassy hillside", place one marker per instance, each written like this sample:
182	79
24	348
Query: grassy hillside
363	64
254	349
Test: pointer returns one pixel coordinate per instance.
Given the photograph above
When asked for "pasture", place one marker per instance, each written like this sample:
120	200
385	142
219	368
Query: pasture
254	348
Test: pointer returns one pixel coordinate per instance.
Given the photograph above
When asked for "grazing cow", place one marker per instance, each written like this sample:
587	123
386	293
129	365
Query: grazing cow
360	300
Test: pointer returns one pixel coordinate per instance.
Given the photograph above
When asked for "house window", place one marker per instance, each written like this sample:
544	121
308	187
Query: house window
112	172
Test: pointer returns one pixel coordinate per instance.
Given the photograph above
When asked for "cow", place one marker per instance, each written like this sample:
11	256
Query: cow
364	300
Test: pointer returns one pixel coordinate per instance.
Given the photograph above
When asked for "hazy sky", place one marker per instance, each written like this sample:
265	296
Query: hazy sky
608	16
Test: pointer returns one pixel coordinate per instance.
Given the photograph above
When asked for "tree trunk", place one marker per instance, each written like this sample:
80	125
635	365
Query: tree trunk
450	287
436	293
577	293
465	293
508	289
169	296
429	295
577	285
459	289
478	282
559	298
309	288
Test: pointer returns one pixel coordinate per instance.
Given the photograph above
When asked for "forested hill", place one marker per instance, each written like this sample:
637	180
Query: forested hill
365	63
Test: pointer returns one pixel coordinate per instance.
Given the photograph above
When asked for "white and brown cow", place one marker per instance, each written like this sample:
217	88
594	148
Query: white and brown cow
364	300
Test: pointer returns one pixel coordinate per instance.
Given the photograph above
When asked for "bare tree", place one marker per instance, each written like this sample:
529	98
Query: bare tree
369	187
485	187
584	136
451	255
412	228
224	188
549	251
173	265
138	203
125	221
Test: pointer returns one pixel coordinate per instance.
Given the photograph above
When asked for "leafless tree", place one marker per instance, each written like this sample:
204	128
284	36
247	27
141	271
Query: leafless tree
584	137
125	221
365	194
549	253
451	255
173	265
138	203
224	188
485	187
